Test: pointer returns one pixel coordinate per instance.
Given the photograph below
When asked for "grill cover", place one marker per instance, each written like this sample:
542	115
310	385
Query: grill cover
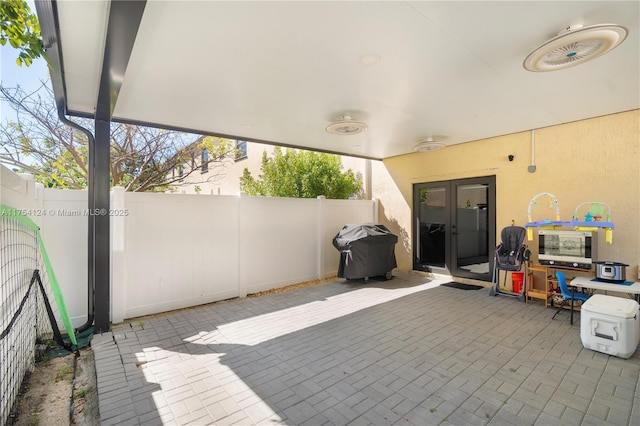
366	250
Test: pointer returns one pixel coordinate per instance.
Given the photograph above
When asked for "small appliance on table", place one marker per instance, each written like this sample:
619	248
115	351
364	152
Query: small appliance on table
610	325
612	272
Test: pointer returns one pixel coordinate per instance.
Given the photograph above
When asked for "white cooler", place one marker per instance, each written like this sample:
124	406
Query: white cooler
610	325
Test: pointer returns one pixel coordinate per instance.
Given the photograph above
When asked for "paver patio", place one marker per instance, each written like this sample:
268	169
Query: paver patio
405	351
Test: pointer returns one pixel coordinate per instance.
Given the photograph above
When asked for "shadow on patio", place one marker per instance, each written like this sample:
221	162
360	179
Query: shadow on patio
406	351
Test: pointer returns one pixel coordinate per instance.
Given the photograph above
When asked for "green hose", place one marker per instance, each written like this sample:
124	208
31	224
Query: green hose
7	211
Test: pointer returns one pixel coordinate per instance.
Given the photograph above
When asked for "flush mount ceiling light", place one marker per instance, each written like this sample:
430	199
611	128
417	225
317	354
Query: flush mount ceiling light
429	144
574	45
346	126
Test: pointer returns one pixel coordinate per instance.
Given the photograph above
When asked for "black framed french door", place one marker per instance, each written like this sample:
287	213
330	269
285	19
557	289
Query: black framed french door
454	227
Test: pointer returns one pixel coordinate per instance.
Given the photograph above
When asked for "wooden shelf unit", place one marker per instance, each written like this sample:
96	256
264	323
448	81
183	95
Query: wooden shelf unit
542	279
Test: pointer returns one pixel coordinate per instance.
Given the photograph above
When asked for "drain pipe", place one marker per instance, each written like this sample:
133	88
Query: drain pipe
48	17
90	196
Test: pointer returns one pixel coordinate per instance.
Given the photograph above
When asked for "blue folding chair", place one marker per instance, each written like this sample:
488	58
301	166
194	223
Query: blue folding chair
567	294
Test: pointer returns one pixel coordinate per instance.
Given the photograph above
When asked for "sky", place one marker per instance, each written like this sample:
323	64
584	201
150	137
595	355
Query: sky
12	75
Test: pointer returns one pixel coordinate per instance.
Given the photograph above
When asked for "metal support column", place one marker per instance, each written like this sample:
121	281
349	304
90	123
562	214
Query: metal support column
124	21
100	214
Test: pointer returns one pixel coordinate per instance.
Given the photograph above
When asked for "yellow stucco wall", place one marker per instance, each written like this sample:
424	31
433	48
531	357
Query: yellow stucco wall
590	160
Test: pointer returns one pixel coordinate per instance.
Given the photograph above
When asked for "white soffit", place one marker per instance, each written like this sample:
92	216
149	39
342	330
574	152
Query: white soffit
83	27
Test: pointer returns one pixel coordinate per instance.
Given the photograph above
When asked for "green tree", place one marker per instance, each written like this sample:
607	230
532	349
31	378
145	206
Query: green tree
142	158
301	174
20	27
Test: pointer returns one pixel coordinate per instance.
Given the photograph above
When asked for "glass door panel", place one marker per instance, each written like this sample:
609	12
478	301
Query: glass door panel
472	229
431	226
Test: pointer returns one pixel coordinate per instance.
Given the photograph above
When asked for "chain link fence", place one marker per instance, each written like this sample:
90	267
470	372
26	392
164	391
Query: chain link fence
24	318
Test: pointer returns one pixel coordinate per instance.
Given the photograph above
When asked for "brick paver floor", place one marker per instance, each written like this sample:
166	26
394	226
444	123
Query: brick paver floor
405	351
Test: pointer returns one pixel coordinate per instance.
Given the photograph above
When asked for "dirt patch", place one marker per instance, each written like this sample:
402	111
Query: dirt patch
292	287
46	394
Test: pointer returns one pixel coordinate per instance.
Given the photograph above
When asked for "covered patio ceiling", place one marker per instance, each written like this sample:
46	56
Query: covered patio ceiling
281	72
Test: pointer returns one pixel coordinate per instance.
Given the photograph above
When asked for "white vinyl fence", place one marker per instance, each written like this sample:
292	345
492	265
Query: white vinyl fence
171	251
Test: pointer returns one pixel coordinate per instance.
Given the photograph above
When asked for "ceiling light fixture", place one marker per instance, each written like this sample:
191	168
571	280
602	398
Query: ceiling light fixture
346	126
429	144
574	45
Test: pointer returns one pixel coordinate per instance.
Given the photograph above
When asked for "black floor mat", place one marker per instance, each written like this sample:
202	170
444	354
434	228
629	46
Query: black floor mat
463	286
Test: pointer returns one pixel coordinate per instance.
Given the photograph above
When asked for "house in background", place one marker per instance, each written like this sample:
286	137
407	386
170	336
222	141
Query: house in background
222	176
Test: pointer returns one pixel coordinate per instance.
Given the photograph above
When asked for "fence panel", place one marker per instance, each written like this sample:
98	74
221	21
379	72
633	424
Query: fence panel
181	250
278	242
16	191
64	231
